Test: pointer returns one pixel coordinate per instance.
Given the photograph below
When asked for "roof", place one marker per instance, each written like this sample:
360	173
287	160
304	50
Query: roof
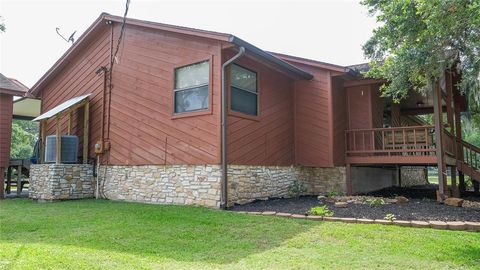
11	86
96	26
62	107
310	62
26	108
360	68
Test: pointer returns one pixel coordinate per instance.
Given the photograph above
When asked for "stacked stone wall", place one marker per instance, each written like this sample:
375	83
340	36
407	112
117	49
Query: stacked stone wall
61	181
201	184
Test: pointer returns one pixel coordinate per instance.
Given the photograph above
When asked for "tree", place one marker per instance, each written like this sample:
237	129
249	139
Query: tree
2	25
419	39
24	136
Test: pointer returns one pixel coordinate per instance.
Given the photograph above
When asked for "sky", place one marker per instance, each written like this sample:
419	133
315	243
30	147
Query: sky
330	31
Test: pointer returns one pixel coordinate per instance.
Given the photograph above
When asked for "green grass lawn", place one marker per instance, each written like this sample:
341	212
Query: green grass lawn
91	234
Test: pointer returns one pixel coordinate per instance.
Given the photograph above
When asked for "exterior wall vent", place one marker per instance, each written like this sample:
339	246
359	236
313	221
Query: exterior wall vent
69	149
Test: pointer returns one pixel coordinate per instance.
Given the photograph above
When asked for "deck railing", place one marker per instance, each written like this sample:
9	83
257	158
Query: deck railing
395	141
449	143
471	154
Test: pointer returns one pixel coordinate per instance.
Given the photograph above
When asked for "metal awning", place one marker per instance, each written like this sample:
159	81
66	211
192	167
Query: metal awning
62	107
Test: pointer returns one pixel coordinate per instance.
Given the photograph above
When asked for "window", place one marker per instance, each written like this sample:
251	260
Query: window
243	91
191	87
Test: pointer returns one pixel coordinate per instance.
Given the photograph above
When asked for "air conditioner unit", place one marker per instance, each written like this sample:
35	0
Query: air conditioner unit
69	149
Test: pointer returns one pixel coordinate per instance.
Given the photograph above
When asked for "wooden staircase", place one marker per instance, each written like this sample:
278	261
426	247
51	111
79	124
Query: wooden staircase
469	161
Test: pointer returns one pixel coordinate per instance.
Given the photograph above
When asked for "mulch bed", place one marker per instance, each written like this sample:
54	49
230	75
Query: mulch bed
415	209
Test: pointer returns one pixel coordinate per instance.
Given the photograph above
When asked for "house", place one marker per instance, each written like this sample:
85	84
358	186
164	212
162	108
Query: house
13	105
187	116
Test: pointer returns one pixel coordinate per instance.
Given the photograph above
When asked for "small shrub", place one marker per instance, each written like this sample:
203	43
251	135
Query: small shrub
332	194
321	210
375	201
296	189
390	217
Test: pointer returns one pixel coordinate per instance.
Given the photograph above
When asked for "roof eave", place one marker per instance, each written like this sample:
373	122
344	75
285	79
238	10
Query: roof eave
270	57
38	85
12	92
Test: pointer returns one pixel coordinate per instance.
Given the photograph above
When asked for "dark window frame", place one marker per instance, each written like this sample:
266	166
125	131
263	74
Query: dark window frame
208	109
257	93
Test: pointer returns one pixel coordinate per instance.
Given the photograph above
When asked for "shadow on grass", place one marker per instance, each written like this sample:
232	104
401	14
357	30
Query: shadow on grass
199	235
181	233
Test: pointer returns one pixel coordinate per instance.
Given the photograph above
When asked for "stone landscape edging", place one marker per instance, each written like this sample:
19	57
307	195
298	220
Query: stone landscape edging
434	224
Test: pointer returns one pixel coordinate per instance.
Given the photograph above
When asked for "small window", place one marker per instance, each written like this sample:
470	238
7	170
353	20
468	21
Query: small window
243	91
191	87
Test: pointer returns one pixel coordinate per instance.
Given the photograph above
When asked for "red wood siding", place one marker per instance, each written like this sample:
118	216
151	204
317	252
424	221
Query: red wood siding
142	128
76	79
6	110
378	104
359	101
269	138
340	121
313	119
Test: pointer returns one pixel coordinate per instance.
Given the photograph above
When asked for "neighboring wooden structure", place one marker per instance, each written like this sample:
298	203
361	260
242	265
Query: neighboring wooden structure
8	89
22	168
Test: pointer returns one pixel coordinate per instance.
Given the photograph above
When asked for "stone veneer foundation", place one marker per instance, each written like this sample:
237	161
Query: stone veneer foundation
169	184
61	181
180	184
248	183
201	184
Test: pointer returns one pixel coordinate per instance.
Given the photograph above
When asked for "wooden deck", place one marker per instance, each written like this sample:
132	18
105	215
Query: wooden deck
400	145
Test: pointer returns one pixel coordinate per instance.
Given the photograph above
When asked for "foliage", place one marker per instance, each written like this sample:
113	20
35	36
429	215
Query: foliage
418	39
471	129
321	210
375	201
332	194
2	25
24	136
296	188
390	217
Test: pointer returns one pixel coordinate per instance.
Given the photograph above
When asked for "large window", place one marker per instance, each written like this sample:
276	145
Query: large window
243	91
191	87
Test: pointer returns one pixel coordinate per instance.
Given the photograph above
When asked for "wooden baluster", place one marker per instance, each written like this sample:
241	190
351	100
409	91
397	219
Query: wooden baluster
427	144
414	139
346	141
373	140
393	139
363	140
354	140
383	139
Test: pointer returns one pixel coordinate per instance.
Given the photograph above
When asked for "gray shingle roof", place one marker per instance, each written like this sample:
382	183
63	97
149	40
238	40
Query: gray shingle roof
11	84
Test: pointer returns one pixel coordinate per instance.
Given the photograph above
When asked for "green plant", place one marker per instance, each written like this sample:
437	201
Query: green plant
296	189
375	201
390	217
332	194
321	210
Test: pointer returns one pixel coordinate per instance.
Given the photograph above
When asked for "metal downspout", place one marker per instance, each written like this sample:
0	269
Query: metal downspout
224	199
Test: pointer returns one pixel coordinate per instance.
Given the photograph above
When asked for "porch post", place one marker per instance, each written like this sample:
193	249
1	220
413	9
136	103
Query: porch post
458	134
86	122
58	142
43	137
453	173
437	115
